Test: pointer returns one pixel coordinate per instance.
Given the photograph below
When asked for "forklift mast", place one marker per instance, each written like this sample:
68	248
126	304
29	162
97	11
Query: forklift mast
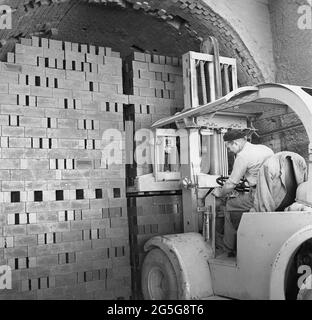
192	156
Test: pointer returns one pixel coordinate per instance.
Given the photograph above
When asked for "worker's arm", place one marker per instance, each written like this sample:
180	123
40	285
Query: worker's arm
238	172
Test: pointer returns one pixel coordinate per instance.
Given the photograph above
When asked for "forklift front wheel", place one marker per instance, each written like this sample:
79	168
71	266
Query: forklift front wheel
159	281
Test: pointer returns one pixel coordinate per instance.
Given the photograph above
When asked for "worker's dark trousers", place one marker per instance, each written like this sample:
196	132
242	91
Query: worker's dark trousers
235	208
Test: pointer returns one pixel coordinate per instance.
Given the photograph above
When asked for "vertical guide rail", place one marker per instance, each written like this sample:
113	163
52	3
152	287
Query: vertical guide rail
203	81
234	77
226	79
217	66
221	160
187	80
212	85
225	155
213	224
194	85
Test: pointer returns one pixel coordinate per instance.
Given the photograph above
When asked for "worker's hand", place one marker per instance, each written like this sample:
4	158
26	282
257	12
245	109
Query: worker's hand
216	192
298	207
233	194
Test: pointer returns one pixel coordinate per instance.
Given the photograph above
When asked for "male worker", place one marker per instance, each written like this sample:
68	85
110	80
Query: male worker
249	159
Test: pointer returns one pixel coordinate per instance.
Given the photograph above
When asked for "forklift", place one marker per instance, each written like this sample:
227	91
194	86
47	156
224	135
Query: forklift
189	154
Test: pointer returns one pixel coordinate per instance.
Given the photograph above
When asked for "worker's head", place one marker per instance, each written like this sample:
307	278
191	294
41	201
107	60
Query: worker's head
237	145
236	139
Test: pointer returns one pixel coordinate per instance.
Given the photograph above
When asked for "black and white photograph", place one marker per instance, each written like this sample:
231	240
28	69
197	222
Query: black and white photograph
156	150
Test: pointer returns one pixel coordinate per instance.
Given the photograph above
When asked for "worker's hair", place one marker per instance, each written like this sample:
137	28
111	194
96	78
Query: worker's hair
240	140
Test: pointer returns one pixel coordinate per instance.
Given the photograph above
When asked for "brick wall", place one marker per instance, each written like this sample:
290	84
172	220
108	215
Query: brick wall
64	226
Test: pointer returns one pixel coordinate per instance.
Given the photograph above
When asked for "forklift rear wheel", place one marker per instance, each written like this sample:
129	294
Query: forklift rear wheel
159	281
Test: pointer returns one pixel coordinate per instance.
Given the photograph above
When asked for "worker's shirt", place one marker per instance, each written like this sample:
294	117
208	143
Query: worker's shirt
248	162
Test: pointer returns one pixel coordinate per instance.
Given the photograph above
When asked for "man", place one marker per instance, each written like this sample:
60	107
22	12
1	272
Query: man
249	159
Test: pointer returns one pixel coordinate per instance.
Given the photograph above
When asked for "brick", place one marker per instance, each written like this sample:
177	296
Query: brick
28	50
95	254
83	95
27	59
75	75
62	93
117	233
118	222
59	226
8	242
29	240
13	131
9	164
25	285
43	283
35	41
55	44
80	225
4	88
156	67
37	228
34	284
46	261
41	92
52	53
8	99
92	58
19	142
15	252
72	236
32	122
35	132
66	132
11	57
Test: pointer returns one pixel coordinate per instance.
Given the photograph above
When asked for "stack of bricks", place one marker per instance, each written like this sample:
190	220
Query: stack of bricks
64	226
155	87
149	217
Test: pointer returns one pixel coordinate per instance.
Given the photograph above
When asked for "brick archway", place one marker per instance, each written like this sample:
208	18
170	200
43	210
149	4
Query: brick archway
203	21
44	16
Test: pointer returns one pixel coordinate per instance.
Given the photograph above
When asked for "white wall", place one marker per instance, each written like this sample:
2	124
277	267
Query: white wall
292	46
251	20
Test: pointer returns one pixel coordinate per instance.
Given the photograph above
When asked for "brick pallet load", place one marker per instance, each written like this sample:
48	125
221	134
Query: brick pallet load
64	226
155	87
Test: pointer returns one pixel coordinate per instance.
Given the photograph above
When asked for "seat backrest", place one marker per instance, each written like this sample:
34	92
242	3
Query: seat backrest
290	184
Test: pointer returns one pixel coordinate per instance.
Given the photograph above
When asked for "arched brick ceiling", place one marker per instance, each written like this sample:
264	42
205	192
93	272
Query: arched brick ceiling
169	27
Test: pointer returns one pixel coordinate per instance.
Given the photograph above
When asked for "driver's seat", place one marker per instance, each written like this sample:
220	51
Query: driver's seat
278	179
290	185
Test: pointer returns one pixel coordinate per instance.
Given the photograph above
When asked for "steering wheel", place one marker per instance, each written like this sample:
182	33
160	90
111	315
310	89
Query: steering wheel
241	187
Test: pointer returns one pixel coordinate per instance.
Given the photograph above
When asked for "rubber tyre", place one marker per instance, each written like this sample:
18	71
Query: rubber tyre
159	280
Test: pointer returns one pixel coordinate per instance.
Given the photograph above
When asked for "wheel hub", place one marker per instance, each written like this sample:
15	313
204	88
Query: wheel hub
157	284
